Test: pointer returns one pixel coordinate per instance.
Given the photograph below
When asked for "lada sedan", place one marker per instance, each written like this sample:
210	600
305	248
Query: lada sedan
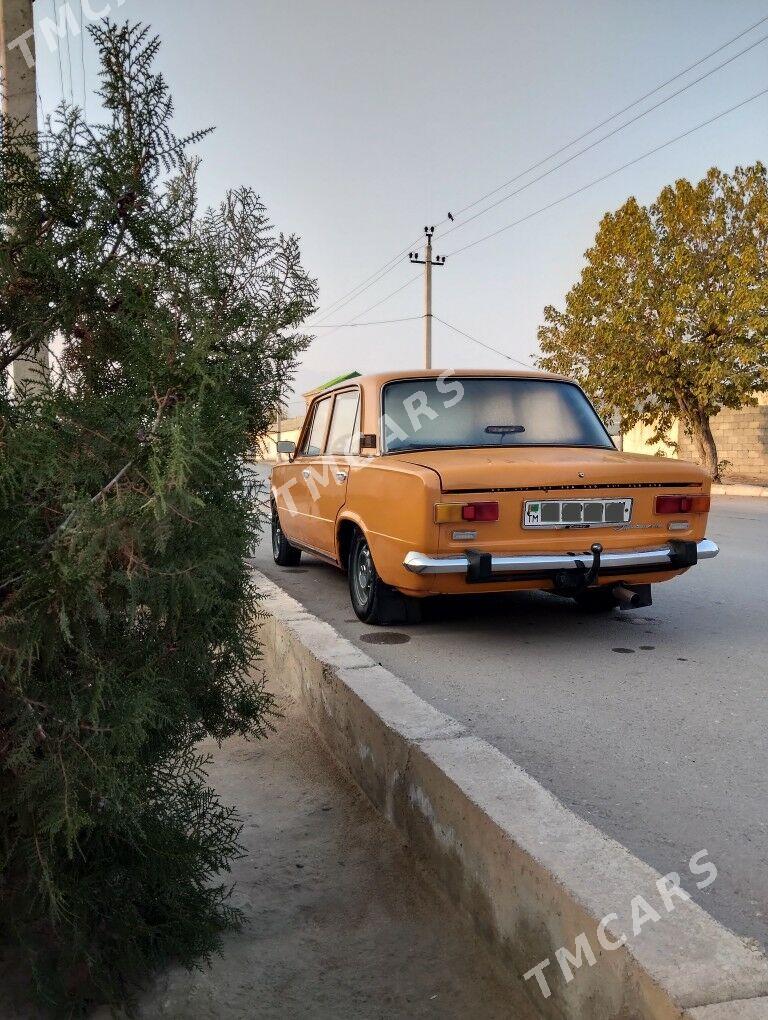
440	483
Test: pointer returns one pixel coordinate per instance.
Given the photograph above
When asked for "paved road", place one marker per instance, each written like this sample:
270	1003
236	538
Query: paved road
652	724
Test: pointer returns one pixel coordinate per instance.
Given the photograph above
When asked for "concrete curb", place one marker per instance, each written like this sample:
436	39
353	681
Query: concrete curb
533	875
737	489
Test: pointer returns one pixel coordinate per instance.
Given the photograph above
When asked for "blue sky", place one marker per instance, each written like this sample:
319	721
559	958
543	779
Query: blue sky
359	122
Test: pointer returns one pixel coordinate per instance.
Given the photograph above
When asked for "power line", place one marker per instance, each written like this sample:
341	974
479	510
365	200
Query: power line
58	54
613	116
369	281
391	264
564	198
69	59
480	343
378	322
603	138
611	173
370	308
82	63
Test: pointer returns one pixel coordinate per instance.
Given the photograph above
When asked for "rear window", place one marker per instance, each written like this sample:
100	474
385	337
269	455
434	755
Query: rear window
455	412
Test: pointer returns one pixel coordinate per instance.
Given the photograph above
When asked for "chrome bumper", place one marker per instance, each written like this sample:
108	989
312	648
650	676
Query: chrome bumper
420	563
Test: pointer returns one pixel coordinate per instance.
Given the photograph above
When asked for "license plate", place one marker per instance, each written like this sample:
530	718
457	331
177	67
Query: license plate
576	513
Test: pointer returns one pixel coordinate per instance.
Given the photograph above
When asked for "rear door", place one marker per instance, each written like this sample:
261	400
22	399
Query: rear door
326	480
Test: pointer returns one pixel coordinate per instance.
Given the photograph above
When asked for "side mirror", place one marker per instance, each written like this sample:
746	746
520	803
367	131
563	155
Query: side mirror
286	446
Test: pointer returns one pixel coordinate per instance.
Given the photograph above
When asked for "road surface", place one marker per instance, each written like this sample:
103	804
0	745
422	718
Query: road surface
651	724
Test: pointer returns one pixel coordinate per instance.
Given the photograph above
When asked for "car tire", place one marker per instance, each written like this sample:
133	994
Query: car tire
285	554
373	601
596	600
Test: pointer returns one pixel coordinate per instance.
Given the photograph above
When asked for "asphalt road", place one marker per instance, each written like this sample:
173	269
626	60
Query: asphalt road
651	724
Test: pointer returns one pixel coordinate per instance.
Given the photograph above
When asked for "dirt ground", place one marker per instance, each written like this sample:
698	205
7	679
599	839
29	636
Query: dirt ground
340	921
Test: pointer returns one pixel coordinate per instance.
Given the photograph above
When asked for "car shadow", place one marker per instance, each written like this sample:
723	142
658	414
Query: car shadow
515	612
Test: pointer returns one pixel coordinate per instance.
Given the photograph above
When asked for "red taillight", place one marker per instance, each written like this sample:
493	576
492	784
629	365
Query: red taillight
682	504
480	512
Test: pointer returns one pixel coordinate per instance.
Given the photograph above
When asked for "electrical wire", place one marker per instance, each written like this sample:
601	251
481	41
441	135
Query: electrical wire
58	54
391	264
69	55
613	116
556	202
378	322
370	308
603	138
369	281
611	173
82	63
480	343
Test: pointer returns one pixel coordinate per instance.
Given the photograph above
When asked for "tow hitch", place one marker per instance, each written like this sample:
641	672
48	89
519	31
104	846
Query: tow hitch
571	582
574	582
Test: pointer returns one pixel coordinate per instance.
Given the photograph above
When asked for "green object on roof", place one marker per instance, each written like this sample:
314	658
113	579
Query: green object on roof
339	379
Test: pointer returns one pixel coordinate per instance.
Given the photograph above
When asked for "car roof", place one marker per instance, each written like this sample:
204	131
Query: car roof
377	379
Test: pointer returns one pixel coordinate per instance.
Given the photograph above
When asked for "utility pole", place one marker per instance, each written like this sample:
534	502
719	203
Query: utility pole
427	262
19	105
17	59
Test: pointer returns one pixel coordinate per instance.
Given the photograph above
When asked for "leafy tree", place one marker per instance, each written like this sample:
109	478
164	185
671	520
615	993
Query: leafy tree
670	316
126	609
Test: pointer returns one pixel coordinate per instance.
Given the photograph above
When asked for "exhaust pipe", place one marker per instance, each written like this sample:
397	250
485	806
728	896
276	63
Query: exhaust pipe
632	598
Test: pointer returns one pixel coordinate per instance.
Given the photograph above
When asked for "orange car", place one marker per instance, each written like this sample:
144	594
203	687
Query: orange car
437	483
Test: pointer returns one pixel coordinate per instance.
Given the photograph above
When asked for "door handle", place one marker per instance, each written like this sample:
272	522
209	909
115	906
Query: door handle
341	476
306	472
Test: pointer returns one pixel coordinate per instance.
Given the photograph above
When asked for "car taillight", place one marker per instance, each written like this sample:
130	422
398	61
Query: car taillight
451	513
480	512
682	504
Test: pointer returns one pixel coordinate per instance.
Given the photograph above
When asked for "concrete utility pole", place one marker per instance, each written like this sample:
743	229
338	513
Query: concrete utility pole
17	49
19	104
427	262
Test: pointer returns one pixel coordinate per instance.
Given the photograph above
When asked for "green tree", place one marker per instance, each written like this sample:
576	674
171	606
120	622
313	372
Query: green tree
126	608
670	316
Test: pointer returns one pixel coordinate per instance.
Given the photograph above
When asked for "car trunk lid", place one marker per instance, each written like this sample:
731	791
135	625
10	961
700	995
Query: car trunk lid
549	468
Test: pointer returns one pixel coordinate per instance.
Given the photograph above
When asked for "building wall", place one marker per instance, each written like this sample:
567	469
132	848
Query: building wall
741	437
266	446
636	441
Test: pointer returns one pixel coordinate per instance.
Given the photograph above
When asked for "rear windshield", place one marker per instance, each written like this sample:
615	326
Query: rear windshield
450	412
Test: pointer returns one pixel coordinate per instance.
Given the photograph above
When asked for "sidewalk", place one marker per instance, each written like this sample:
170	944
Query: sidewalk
739	489
340	922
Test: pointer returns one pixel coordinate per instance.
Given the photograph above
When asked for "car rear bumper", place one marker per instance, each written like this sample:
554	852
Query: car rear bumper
542	563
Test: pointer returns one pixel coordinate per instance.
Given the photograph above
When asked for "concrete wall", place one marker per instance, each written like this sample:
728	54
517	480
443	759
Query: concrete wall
741	437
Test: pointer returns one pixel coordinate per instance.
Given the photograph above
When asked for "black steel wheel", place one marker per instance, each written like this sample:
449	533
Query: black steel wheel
285	554
372	600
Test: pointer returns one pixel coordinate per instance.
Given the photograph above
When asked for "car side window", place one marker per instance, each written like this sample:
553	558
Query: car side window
342	437
315	438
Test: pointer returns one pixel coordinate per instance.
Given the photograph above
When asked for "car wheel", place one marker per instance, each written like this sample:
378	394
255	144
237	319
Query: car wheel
285	554
372	600
596	600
